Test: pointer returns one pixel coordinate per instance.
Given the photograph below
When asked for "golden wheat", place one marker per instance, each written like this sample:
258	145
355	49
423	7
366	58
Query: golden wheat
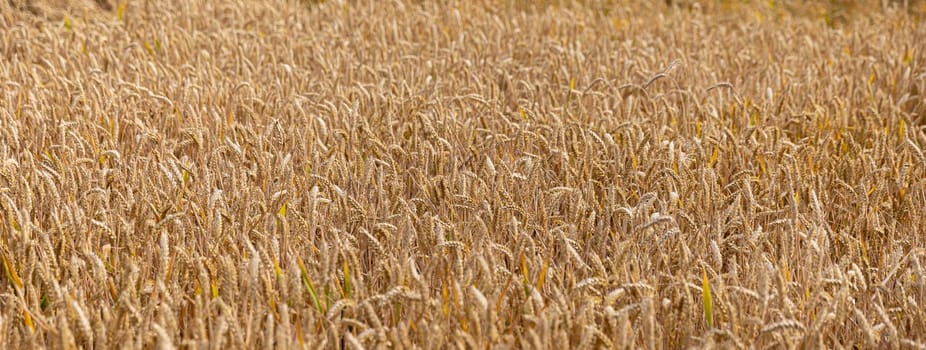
478	174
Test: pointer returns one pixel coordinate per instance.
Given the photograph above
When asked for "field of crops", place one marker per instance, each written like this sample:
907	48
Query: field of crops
462	174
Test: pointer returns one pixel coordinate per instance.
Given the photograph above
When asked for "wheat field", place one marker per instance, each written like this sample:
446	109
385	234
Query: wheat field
462	174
